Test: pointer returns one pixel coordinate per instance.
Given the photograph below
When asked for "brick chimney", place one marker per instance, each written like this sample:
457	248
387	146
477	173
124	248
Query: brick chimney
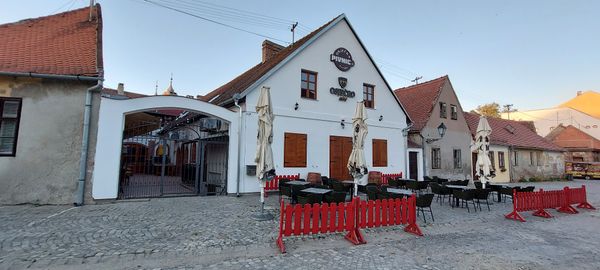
578	92
121	89
270	49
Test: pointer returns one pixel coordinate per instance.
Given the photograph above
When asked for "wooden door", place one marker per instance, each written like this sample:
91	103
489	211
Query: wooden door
339	152
413	167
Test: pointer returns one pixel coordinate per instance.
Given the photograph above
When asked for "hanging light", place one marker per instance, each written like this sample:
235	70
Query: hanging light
441	130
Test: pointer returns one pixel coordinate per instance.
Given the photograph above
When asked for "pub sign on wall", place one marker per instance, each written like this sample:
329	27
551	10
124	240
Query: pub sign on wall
342	59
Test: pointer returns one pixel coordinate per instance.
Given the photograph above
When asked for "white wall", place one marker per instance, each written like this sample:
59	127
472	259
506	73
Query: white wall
321	118
547	119
105	182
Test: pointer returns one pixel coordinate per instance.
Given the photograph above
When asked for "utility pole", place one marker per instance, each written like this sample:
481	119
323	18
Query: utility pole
416	80
294	31
507	110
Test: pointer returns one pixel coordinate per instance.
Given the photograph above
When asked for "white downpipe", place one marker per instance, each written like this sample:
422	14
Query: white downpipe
239	158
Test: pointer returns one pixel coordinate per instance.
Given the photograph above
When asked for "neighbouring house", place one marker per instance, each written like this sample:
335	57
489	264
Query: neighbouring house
439	139
579	145
517	152
580	112
50	81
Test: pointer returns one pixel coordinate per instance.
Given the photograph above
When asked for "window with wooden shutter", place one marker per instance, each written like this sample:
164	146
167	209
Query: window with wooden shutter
294	150
379	153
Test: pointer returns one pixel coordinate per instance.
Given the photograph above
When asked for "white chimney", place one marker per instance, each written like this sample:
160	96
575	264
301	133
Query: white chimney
121	89
579	93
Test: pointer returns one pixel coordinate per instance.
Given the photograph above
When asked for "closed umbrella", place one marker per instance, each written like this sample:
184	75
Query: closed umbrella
264	154
482	146
356	163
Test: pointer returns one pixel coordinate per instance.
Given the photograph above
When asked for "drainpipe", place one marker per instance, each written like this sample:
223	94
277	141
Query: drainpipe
86	119
87	114
236	99
510	163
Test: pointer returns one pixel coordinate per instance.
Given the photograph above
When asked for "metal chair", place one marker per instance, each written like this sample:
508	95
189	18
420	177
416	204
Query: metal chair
424	201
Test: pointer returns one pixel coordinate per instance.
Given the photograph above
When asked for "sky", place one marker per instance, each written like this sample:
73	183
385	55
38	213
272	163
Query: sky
532	54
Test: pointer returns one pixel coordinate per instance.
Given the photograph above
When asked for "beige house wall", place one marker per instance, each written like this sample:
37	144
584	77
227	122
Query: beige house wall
545	164
46	166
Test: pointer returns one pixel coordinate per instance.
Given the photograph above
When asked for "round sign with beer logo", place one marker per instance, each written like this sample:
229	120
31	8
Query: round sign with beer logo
342	59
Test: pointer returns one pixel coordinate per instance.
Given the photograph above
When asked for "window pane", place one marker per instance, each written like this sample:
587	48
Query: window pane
8	128
6	145
10	109
311	86
312	77
303	76
304	85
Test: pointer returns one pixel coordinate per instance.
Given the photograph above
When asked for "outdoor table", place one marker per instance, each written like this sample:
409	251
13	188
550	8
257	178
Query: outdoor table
317	191
400	191
496	187
348	182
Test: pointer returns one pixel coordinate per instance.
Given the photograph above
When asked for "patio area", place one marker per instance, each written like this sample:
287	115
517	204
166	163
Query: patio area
218	232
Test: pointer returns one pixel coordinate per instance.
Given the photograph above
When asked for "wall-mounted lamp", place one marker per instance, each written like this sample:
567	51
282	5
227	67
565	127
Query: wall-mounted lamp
380	118
441	131
343	123
296	106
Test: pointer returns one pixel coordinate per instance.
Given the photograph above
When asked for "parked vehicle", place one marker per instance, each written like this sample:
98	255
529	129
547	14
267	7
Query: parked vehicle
587	170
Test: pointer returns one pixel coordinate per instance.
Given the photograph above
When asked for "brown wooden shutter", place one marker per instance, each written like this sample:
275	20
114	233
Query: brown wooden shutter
294	150
379	153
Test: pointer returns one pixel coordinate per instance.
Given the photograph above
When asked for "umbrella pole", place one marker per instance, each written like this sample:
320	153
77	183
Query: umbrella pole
262	216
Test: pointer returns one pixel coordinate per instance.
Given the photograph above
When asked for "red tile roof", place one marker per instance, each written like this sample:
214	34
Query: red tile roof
521	137
420	99
243	81
571	138
64	44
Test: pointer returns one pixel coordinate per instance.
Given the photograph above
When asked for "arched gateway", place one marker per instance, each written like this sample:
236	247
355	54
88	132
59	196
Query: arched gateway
164	145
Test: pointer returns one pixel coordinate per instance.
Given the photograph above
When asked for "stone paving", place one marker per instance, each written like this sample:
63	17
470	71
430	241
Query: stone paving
218	233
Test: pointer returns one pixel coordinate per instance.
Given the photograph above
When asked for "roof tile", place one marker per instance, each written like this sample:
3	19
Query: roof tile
419	99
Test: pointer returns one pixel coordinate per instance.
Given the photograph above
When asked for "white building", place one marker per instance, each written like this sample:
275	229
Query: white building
546	120
315	85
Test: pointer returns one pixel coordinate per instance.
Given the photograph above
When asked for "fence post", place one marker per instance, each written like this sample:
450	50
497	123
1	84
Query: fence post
412	226
540	203
280	237
515	214
583	203
354	235
566	203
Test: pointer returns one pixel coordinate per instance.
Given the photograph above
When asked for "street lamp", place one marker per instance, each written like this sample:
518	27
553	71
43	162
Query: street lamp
441	131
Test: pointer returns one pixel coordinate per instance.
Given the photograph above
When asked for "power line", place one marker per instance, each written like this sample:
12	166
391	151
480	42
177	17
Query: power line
213	21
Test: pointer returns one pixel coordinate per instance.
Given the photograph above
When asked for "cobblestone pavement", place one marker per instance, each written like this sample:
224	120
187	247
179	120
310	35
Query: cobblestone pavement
218	233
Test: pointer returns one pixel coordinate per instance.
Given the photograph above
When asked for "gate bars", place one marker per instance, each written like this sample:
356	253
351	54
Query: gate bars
539	201
347	217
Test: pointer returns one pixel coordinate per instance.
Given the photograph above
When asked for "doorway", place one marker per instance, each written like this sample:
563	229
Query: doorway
413	165
340	149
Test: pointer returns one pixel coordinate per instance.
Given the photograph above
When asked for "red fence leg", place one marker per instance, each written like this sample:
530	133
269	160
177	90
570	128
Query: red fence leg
354	235
279	240
566	206
515	214
583	202
412	226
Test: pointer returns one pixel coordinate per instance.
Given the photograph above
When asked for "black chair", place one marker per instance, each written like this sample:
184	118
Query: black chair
340	187
308	199
285	189
401	183
528	189
393	182
427	178
412	185
424	201
423	185
296	190
465	182
335	197
478	185
464	196
372	192
441	192
482	195
325	180
508	192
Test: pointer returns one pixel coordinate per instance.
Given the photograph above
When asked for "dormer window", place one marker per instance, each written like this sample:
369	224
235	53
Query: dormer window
443	110
510	129
453	112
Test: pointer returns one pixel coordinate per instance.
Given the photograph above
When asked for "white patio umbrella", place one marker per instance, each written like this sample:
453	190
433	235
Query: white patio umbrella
264	154
356	163
482	146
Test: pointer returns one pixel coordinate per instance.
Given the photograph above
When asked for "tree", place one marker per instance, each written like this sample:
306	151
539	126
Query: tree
489	110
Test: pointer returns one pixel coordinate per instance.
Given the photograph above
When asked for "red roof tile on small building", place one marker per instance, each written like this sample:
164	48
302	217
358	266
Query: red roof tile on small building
571	138
62	44
520	137
420	99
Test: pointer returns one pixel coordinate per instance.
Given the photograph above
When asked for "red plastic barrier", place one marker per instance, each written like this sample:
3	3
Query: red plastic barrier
349	217
541	200
274	184
385	176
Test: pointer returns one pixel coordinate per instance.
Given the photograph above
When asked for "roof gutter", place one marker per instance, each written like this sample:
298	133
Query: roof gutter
51	76
86	119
